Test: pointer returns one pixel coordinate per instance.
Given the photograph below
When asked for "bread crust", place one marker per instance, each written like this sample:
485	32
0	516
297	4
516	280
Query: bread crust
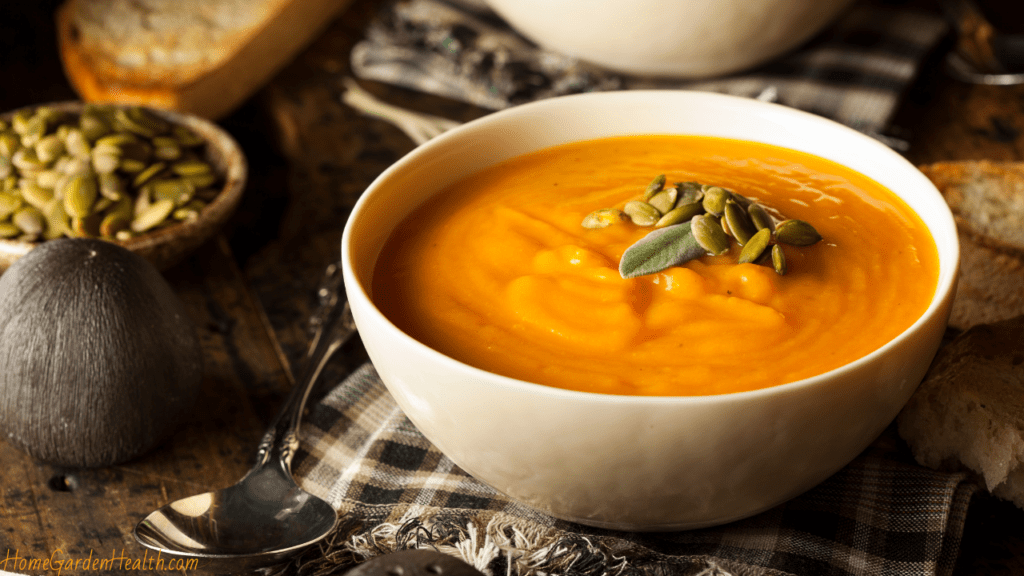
968	411
209	81
983	196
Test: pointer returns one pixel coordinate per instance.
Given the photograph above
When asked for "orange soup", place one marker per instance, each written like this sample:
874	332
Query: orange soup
498	272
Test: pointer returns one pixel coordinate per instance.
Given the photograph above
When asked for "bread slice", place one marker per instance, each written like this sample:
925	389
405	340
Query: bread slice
199	56
969	410
987	200
986	197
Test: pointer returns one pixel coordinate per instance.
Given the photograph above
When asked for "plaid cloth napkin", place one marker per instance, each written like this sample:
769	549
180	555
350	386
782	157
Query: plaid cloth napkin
881	515
855	72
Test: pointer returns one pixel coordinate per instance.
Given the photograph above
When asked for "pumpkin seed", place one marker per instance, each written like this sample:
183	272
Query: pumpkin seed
679	214
689	192
654	187
29	219
57	221
77	144
191	168
796	233
80	193
153	215
708	232
111	186
740	226
664	200
166	148
148	173
105	159
778	260
9	230
93	125
760	217
87	226
26	160
603	217
35	195
740	199
189	211
9	144
202	180
132	165
8	204
642	213
49	148
48	178
175	189
112	224
714	200
136	120
755	246
186	137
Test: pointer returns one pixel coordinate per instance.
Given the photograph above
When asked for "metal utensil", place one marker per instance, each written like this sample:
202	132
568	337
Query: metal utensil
982	54
265	517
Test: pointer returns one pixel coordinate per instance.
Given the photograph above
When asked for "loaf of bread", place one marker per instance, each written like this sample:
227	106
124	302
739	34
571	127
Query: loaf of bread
199	56
987	200
969	410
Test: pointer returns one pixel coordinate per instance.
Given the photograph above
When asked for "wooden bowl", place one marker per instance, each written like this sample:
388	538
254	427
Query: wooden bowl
167	246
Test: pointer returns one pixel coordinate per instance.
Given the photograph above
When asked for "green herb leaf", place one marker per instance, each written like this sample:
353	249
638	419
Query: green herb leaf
661	249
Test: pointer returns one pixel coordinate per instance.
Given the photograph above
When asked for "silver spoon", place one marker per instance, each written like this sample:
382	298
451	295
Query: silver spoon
264	518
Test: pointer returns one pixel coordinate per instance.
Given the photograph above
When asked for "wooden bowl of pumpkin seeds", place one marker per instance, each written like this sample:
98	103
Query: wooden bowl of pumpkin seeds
157	182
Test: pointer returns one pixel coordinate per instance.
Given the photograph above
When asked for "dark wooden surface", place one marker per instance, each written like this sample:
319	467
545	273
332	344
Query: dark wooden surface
251	289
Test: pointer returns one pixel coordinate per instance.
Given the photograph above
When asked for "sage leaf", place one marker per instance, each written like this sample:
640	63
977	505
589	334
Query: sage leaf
661	249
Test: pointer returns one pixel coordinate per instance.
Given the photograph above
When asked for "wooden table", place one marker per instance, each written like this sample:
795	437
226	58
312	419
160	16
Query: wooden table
251	289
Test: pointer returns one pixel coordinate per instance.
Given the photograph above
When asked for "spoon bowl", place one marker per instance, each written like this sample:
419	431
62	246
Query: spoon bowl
265	517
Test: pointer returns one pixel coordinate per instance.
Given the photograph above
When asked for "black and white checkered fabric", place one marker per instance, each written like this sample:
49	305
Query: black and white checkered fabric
855	72
880	515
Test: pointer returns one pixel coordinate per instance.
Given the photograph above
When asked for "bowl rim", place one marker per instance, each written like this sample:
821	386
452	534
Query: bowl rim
944	290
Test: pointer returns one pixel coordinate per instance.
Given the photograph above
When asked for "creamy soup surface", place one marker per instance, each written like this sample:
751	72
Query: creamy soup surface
498	272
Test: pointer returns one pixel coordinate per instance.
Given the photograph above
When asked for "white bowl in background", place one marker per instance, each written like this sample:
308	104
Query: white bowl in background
680	38
642	463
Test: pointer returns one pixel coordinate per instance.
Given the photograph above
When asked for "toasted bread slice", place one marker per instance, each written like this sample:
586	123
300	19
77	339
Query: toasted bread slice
198	56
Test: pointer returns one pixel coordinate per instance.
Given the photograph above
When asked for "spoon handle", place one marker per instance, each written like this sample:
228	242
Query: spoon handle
333	325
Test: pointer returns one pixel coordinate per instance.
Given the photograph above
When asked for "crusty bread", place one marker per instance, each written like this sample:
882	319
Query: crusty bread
969	410
987	199
199	56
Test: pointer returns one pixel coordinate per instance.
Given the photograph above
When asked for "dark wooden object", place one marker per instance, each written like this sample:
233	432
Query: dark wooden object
251	290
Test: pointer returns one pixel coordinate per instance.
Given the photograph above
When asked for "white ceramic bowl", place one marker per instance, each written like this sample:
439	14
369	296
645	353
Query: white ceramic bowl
682	38
642	463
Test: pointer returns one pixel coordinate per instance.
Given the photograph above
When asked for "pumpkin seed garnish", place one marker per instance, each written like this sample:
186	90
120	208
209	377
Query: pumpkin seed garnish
778	259
642	213
665	200
796	233
708	232
654	187
603	217
755	246
740	226
679	214
690	220
714	200
760	217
